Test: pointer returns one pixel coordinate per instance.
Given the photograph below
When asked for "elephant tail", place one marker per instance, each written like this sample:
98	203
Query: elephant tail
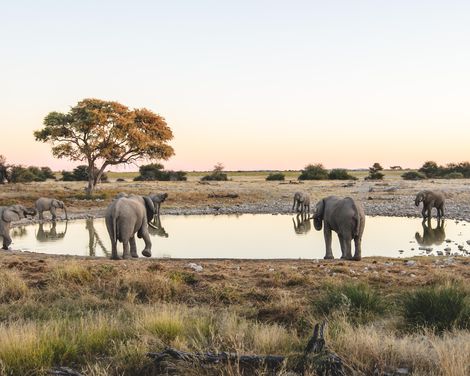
356	221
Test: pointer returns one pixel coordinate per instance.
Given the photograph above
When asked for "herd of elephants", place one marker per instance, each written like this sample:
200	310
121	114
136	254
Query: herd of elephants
129	215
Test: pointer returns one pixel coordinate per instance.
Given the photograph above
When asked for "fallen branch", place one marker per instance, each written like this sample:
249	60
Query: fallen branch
225	195
315	357
64	371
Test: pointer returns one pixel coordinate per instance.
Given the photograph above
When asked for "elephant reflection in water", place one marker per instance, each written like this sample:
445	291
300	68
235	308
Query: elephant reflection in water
94	239
51	234
431	236
302	224
19	232
158	230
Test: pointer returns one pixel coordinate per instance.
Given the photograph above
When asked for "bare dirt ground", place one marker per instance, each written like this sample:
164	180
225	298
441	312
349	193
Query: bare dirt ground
391	197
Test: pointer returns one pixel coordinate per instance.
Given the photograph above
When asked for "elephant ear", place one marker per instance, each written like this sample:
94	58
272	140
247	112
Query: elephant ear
318	216
149	207
11	214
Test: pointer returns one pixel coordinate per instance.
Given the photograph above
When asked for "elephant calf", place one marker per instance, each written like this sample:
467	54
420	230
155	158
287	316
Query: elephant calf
125	217
301	202
9	214
431	199
50	204
346	218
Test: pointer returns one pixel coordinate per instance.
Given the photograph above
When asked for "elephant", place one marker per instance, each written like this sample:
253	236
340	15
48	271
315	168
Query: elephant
9	214
49	204
50	235
302	224
125	217
302	202
346	218
157	199
431	236
431	199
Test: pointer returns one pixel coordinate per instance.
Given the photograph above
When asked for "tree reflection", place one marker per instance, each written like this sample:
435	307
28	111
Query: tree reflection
431	236
94	240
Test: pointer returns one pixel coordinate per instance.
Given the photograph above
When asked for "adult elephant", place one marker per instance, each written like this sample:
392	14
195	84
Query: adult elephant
431	199
125	217
50	204
346	218
10	214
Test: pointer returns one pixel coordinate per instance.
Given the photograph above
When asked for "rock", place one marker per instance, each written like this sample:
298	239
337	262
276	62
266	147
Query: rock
413	275
468	242
410	263
402	371
440	253
460	247
195	267
447	249
448	241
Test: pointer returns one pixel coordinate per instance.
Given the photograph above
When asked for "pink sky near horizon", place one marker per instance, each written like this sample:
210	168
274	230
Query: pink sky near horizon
254	85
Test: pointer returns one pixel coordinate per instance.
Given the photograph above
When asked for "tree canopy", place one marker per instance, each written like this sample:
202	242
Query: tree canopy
106	133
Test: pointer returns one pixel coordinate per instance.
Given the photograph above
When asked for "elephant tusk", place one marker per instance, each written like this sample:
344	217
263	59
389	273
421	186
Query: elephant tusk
153	226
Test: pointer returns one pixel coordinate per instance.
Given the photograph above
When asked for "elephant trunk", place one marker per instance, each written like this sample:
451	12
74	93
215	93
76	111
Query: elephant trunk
66	216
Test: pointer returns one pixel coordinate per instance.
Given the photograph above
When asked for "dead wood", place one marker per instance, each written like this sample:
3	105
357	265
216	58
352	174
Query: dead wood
316	357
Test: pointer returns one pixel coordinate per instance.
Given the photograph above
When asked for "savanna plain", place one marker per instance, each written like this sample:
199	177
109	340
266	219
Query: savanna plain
385	316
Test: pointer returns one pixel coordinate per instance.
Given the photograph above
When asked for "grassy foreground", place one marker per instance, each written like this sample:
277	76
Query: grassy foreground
102	317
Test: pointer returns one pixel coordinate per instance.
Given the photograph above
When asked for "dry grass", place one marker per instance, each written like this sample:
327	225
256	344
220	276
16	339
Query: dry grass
373	347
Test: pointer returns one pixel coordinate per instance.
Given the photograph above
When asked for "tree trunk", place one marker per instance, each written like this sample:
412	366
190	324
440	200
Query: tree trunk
91	181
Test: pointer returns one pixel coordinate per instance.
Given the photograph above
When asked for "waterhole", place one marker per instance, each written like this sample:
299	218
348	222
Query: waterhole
249	236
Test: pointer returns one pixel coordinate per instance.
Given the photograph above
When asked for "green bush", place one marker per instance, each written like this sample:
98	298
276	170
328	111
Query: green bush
276	176
313	172
340	174
374	172
454	175
437	307
20	174
412	175
80	173
357	301
154	171
217	174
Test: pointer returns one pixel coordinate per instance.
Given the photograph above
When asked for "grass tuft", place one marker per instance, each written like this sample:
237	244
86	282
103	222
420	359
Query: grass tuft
12	286
439	307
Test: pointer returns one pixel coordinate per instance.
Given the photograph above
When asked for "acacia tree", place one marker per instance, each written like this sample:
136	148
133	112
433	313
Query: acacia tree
105	133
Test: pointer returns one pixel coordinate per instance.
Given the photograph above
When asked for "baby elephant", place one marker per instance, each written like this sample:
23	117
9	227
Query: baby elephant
9	214
50	204
125	217
431	199
346	218
301	203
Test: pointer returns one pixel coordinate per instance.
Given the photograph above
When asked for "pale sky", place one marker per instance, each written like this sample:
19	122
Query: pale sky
251	84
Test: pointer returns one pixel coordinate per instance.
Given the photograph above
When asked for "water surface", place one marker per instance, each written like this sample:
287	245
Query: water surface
247	236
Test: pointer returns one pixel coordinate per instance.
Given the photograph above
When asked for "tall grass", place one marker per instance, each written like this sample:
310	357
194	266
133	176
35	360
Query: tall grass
12	286
439	307
357	301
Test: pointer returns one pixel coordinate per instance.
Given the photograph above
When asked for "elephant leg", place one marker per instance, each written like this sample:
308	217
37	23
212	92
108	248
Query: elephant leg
41	216
6	241
125	246
133	247
114	254
342	244
358	250
147	252
54	216
327	235
423	212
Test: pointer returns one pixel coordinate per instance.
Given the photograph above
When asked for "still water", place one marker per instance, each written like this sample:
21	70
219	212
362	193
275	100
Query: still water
248	236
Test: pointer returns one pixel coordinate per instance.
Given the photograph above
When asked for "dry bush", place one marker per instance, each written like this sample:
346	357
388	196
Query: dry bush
12	286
